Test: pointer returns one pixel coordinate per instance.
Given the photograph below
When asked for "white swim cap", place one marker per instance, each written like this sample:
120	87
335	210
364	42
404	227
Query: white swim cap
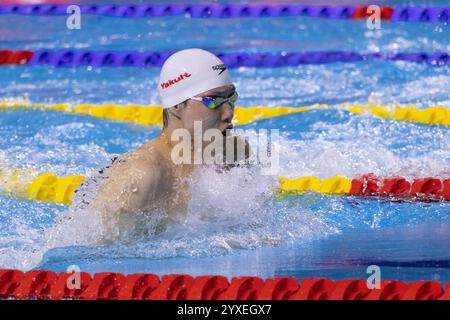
188	73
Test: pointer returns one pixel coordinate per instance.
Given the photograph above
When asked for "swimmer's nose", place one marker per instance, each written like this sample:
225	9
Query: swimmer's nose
227	112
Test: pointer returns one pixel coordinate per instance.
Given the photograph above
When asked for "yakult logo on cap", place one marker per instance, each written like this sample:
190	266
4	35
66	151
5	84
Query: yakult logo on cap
182	76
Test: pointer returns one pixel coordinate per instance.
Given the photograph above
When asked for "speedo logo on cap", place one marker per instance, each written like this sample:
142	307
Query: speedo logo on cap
220	67
181	77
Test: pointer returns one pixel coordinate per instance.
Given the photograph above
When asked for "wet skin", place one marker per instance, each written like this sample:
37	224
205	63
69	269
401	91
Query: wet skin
147	179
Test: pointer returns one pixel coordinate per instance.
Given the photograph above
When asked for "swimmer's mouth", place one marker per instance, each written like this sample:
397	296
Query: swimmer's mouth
227	129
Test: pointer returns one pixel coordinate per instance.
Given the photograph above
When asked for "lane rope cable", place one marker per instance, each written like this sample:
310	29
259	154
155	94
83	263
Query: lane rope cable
49	187
74	58
152	115
238	10
41	284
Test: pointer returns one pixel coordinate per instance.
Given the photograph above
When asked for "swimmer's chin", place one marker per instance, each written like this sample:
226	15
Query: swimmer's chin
227	131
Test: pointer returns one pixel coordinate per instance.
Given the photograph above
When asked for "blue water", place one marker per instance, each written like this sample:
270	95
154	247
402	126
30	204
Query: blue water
254	234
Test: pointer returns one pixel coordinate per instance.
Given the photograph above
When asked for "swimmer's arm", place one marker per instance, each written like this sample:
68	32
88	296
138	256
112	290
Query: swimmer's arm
128	188
247	149
240	145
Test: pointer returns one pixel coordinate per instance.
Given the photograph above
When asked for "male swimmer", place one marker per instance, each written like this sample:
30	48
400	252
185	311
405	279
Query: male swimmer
196	88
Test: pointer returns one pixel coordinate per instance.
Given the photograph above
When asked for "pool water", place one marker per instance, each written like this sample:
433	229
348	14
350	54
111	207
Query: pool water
235	225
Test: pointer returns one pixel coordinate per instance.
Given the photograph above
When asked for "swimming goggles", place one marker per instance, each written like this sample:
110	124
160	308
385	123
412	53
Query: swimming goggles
214	103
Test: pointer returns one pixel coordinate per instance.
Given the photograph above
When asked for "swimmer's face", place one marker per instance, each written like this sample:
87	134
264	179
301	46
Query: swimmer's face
219	118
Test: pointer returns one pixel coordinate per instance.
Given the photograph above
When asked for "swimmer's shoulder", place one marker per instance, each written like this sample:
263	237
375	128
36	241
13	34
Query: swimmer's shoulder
145	159
139	156
150	155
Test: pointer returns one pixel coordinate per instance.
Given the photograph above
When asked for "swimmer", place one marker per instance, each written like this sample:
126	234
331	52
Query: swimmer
195	86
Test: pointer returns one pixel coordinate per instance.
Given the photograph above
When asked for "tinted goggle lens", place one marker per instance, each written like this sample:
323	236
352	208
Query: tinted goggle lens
214	103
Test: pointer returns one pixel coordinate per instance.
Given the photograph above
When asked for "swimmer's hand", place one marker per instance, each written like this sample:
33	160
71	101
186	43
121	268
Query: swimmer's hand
235	151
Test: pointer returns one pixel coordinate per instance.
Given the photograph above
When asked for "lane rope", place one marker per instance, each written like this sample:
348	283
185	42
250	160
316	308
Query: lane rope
152	115
224	11
147	115
49	187
74	58
370	185
40	284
